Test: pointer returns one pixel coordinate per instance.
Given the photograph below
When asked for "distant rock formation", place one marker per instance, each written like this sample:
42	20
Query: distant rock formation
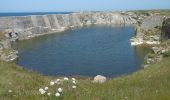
25	27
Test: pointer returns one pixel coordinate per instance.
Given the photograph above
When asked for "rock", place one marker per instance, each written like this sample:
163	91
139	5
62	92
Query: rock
156	50
136	41
10	56
5	44
6	52
99	79
45	24
164	50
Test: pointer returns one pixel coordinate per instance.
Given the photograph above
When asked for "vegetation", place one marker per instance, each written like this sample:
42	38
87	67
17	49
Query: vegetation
167	54
148	84
151	55
165	12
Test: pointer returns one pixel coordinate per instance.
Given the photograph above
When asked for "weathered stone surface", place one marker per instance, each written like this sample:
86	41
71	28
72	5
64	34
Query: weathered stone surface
5	44
31	26
99	79
6	53
157	50
10	56
148	31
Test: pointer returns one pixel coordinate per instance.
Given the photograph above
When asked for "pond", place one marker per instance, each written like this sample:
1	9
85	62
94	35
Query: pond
87	51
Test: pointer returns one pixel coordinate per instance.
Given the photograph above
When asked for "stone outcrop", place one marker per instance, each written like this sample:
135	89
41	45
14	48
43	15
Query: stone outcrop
25	27
148	31
6	52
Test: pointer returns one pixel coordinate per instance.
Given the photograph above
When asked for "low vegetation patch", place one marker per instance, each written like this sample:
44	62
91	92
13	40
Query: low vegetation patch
167	54
151	55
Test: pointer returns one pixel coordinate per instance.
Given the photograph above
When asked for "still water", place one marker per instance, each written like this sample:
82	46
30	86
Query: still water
86	51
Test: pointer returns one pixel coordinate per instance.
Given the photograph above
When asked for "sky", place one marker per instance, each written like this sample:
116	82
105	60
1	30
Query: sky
80	5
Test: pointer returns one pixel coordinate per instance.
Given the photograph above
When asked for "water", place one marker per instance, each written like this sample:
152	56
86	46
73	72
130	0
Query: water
30	13
87	51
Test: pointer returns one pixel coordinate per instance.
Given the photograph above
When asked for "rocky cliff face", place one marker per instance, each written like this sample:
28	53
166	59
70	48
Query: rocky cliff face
25	27
148	31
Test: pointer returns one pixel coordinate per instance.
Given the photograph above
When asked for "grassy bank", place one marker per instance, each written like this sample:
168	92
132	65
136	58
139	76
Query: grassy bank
148	84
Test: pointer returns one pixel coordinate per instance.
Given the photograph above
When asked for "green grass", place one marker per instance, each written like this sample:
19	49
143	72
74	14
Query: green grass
152	83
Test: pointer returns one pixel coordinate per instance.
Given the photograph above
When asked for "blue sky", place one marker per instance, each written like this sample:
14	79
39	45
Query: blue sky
80	5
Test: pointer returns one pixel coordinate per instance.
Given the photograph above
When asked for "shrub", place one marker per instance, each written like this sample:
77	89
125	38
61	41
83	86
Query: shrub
167	54
151	55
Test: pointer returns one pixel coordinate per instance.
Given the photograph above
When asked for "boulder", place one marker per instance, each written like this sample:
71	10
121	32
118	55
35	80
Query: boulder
99	79
157	50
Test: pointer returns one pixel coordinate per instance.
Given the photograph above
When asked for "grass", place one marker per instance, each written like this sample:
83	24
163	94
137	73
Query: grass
148	84
165	12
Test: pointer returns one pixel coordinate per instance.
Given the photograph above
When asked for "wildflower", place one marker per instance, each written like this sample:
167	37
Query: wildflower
73	86
57	80
73	79
52	83
43	92
48	94
9	91
66	78
74	82
60	90
57	94
46	88
40	89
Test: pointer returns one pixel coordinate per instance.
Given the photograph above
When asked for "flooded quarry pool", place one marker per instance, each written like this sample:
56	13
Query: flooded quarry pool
86	51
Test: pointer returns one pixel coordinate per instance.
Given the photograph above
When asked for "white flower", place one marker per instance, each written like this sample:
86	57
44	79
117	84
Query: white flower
52	83
46	88
57	80
73	79
9	91
74	82
57	94
60	90
73	86
41	90
66	78
48	94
